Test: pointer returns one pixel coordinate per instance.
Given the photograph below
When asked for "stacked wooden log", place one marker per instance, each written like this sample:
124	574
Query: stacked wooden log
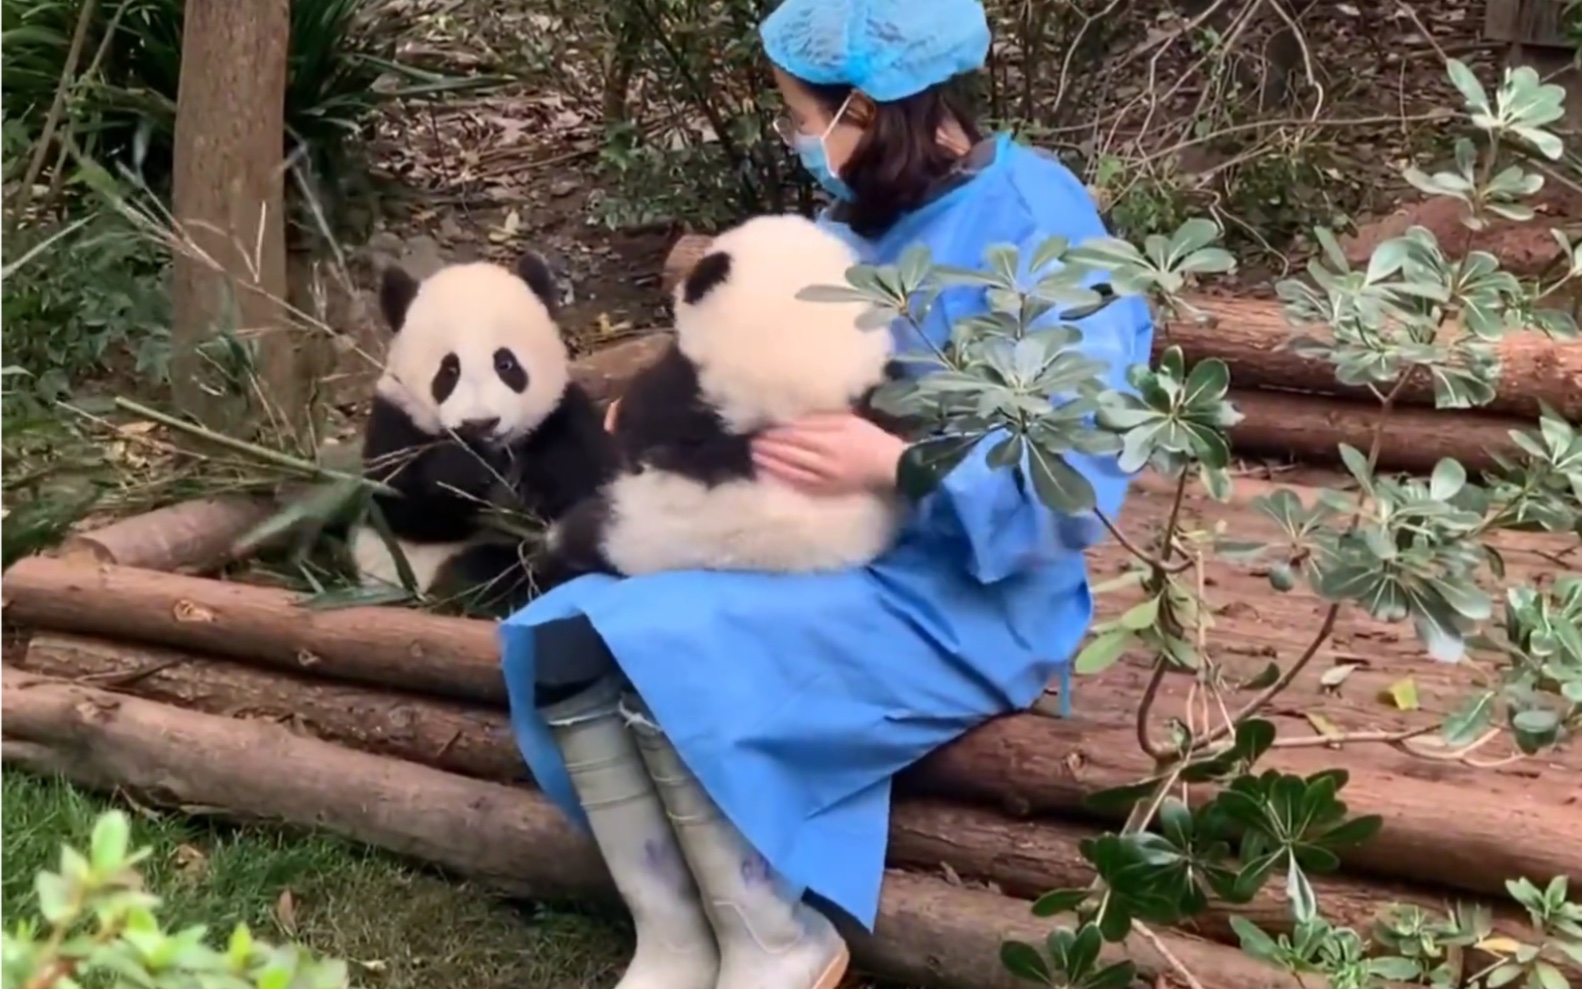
390	726
1295	409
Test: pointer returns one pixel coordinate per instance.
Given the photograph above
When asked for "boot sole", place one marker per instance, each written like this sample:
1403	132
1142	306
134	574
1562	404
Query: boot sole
836	970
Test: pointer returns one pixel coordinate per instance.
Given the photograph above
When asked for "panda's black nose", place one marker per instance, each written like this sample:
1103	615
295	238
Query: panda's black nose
477	429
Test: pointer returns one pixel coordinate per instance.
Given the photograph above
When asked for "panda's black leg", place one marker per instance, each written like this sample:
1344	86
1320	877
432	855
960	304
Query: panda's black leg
570	657
489	580
577	547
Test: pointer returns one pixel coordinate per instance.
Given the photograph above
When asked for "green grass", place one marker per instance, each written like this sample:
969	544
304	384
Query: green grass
400	927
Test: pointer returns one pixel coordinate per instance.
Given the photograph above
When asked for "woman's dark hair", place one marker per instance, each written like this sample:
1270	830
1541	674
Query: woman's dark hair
898	159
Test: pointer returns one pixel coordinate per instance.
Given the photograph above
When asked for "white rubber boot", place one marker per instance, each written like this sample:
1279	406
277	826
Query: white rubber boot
768	938
675	943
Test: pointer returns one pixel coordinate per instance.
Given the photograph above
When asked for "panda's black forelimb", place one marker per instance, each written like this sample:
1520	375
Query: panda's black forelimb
665	423
566	459
440	484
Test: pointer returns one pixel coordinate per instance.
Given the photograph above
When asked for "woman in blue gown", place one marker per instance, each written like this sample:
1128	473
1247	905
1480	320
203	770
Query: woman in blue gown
730	738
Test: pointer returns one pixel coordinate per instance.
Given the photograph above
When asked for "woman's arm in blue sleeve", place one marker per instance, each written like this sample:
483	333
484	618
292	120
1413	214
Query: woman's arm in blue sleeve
1000	526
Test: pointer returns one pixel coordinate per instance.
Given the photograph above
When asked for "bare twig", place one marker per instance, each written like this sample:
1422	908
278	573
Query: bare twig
57	107
1155	942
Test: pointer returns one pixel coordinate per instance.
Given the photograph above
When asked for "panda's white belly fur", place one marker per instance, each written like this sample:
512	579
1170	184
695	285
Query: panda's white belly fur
660	521
375	565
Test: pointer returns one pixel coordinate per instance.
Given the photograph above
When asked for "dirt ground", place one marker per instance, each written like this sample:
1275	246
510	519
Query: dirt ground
517	168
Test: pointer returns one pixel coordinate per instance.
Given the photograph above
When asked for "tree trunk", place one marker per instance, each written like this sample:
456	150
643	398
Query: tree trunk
1026	764
928	933
1021	858
1248	334
228	193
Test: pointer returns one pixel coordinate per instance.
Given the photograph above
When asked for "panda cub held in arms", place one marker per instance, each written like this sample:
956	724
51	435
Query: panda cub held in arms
475	407
748	355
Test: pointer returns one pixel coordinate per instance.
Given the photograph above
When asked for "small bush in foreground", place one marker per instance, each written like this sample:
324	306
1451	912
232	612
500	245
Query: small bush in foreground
97	921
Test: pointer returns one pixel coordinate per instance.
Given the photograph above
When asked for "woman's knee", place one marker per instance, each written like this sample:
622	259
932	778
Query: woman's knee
569	657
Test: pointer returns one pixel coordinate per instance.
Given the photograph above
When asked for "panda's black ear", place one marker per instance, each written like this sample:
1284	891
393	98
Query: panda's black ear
397	289
708	274
533	269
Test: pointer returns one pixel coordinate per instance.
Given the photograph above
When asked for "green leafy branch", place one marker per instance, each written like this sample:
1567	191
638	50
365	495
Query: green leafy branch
1020	373
97	921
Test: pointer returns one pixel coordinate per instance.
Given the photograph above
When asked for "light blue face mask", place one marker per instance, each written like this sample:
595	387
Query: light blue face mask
810	148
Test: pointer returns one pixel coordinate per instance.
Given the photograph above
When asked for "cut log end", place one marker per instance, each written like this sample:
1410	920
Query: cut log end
192	537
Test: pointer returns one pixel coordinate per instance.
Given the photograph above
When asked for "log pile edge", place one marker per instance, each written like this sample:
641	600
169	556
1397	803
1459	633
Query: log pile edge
929	932
1057	762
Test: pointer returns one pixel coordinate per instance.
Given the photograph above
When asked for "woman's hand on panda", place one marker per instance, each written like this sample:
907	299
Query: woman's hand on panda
830	454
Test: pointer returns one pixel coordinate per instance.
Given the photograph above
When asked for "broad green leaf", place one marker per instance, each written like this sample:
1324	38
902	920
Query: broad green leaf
1304	904
1550	977
925	464
1102	652
1470	720
1387	259
1207	384
838	293
1141	615
1208	261
1448	479
1120	975
1467	84
1253	940
1084	951
1357	463
1023	961
1059	486
1059	901
110	842
1195	234
1394	968
1048	252
54	897
1535	728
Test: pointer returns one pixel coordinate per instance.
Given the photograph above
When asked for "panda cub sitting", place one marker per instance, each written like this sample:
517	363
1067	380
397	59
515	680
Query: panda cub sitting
748	355
475	408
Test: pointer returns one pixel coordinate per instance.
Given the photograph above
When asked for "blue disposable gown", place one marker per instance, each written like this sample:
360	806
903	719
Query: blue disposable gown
794	698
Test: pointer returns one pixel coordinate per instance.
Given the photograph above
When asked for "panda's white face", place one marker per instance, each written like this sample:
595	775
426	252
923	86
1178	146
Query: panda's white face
763	355
476	349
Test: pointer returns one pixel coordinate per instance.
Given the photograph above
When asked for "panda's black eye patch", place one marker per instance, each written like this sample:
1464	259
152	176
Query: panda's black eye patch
511	373
445	378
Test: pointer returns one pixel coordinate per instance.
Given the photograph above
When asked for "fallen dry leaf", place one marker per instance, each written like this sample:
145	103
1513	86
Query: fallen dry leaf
1402	694
286	912
192	864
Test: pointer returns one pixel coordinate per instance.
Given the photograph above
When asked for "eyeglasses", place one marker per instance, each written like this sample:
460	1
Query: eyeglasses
784	128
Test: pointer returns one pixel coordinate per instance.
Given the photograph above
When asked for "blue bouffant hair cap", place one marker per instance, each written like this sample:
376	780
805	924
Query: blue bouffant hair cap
887	49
